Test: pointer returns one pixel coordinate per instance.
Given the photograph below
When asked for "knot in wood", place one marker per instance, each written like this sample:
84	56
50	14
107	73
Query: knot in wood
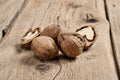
42	67
90	18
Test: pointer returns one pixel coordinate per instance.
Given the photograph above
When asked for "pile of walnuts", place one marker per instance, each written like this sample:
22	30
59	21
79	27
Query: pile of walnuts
46	43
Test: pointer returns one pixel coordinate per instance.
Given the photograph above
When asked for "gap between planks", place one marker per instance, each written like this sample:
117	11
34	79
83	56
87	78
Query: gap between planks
5	26
111	8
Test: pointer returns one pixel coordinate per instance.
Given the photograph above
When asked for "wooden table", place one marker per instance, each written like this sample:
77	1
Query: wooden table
100	62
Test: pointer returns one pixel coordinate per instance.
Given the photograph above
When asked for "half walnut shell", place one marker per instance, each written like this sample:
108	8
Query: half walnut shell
29	36
89	33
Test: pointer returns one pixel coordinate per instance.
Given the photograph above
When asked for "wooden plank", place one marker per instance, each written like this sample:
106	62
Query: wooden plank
9	10
94	64
89	66
21	64
113	10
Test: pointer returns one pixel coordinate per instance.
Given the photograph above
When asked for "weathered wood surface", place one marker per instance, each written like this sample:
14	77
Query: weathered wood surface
9	11
95	64
113	10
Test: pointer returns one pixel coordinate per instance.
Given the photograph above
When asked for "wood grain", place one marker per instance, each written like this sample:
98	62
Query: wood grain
9	11
113	10
89	66
94	64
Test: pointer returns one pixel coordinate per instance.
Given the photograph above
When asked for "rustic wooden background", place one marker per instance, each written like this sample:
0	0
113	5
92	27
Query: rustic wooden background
100	62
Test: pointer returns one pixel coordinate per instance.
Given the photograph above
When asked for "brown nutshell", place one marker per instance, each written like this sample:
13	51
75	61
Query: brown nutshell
29	36
51	31
71	44
44	47
89	33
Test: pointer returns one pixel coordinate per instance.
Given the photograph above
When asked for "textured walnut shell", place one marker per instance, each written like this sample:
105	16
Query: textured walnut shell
29	36
44	47
89	33
51	31
71	44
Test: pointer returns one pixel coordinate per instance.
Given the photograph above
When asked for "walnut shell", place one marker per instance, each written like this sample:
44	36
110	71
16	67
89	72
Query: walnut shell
29	36
44	47
51	31
71	44
89	33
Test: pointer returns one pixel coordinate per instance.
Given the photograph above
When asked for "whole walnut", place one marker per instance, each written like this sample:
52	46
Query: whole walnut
44	47
51	31
71	44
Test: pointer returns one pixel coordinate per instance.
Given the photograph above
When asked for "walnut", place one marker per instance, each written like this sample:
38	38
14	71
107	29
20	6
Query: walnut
29	36
51	31
44	47
89	33
71	44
